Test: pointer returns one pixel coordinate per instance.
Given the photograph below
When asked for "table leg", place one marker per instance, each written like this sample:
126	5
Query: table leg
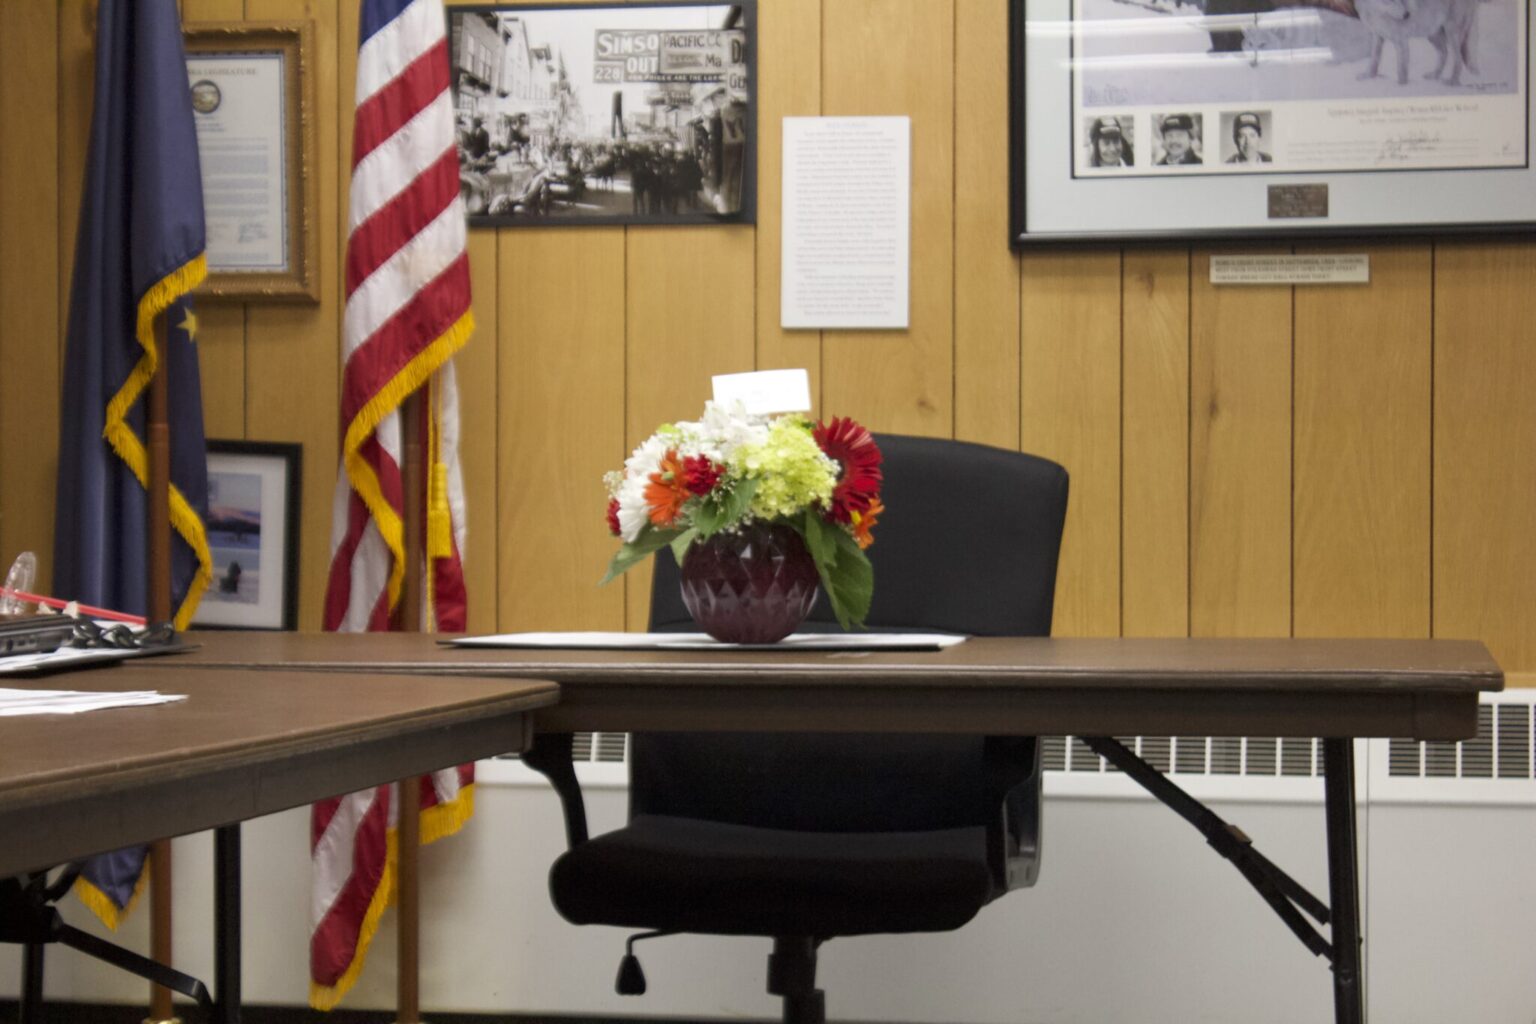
226	924
31	1010
1344	881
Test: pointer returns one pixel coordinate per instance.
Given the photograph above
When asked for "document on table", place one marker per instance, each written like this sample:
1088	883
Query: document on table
847	218
704	642
73	702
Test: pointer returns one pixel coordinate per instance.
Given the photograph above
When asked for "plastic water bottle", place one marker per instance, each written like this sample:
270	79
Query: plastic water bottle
23	573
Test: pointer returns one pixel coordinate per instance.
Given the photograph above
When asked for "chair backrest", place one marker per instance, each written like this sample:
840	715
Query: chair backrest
968	544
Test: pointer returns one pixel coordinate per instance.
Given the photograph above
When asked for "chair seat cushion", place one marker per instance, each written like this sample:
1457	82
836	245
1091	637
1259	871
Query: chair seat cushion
685	874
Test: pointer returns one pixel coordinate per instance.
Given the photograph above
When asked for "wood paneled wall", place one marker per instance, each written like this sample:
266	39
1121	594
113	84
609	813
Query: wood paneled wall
1245	461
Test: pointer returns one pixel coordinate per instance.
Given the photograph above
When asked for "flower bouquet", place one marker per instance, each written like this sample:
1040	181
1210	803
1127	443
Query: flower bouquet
757	510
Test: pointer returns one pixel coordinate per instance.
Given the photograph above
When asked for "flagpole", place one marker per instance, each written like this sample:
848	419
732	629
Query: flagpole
158	430
408	829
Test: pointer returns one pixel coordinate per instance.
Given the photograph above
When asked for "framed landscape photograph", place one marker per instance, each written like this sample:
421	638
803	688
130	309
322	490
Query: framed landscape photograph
614	113
253	533
1247	119
253	106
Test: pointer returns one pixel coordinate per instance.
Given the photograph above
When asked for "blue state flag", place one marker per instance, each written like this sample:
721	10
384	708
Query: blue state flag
138	254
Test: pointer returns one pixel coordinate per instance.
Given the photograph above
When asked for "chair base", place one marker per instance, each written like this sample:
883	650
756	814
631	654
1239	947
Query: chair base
792	975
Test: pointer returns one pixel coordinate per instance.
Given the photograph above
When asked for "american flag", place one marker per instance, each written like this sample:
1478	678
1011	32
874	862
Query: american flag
407	312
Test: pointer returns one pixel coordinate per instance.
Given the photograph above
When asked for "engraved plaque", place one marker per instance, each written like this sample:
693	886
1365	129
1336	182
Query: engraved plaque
1287	201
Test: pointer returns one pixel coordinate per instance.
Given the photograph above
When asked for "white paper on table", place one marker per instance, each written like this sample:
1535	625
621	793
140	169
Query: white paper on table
15	702
847	212
704	642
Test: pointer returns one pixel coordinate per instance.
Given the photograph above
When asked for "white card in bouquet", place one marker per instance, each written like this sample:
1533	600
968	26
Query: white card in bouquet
766	391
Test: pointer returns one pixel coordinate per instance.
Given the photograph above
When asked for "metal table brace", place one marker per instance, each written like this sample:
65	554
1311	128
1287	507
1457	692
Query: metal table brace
1282	892
28	916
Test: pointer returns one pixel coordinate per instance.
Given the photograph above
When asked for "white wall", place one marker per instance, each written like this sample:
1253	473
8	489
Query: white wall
1134	918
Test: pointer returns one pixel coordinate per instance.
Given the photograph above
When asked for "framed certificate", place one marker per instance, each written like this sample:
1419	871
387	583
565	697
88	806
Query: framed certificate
252	102
1269	118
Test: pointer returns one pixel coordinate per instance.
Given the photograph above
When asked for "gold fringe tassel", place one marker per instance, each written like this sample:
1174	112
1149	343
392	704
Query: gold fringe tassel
386	400
437	822
100	904
327	997
440	820
128	446
443	820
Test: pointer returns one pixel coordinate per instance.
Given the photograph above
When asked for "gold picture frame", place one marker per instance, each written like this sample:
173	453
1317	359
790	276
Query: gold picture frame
253	97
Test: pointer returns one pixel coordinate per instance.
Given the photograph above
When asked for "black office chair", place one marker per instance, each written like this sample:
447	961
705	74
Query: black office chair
806	837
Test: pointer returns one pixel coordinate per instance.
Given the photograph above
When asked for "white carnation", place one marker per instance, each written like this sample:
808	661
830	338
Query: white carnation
634	512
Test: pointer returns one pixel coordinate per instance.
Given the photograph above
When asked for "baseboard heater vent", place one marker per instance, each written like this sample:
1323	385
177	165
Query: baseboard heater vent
1502	748
1195	755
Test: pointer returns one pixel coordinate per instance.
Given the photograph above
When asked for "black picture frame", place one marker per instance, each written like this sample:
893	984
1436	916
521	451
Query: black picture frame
254	500
531	159
1059	193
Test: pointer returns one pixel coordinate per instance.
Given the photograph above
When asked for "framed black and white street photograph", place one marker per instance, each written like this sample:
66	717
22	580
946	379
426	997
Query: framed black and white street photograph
615	113
253	533
1254	118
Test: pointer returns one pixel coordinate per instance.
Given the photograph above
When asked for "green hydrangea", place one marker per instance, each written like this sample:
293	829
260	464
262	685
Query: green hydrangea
791	470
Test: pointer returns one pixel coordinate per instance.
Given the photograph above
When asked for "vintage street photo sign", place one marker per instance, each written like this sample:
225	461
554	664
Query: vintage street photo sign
605	114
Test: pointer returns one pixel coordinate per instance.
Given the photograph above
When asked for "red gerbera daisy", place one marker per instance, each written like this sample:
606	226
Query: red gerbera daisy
700	474
858	466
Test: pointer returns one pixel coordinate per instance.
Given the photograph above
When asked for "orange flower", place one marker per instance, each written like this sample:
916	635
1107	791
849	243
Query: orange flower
863	522
667	490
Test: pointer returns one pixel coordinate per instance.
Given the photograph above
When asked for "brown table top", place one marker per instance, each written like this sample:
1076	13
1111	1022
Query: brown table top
1315	687
240	746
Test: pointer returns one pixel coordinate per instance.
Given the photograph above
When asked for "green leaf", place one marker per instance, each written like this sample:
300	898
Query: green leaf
629	555
846	574
715	515
818	537
739	501
682	542
708	519
851	581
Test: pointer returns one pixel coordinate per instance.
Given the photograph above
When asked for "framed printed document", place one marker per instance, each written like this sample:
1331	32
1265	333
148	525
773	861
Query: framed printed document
1269	118
252	102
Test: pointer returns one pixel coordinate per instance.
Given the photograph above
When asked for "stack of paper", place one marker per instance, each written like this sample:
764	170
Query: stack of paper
73	702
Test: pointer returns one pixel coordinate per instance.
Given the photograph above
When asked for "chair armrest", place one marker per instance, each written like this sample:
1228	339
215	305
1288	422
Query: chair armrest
1015	767
550	755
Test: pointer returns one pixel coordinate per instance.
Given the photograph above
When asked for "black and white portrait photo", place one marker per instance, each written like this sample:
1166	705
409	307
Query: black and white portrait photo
1178	140
1110	141
1247	137
629	113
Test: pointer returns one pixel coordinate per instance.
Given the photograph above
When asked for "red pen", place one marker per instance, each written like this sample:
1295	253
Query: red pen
85	609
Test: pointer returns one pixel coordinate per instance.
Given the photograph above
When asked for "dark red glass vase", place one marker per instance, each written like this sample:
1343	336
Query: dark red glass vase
750	586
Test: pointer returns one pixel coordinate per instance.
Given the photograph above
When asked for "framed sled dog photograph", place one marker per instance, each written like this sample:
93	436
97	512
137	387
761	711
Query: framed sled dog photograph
1254	118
